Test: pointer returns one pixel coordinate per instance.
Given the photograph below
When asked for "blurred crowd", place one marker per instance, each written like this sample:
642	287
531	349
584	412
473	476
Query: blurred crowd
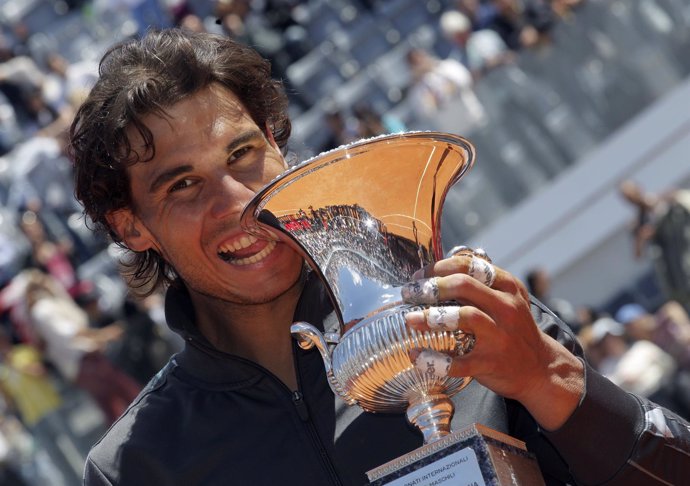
74	344
645	349
471	38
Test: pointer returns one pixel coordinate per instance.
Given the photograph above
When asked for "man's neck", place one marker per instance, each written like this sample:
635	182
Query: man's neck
258	332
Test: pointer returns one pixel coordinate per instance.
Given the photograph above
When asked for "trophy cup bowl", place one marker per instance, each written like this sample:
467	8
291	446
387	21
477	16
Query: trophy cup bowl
366	216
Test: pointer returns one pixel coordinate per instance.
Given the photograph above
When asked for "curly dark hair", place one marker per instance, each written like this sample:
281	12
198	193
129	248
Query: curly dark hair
146	76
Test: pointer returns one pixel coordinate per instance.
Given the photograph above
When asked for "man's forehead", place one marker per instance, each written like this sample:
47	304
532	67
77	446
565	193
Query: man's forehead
204	112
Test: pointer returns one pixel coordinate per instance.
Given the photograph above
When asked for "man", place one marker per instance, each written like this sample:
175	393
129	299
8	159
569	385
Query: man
479	50
176	137
442	88
538	283
662	225
669	328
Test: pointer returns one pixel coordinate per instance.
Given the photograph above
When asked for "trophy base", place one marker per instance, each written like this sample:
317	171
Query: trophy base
474	456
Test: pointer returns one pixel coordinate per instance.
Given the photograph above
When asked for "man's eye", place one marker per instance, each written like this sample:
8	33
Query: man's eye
239	153
181	184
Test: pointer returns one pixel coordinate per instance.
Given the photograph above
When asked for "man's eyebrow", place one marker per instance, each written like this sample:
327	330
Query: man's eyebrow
167	176
244	138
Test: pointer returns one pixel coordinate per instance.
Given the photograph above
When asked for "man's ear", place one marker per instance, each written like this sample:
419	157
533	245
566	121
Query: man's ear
130	230
269	136
272	141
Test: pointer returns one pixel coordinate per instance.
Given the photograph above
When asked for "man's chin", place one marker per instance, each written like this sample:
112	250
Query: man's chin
254	295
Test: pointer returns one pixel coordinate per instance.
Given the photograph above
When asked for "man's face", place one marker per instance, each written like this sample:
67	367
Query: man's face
210	160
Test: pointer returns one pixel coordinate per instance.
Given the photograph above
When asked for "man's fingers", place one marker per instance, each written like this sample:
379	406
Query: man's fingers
479	270
465	318
474	266
444	318
420	292
431	364
471	328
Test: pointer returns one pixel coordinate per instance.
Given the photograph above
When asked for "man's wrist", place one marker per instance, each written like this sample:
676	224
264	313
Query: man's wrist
553	402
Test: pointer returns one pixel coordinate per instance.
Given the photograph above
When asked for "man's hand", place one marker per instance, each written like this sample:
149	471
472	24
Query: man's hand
511	356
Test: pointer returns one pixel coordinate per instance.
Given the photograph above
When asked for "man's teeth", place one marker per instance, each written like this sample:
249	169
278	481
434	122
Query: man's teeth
253	258
271	233
244	242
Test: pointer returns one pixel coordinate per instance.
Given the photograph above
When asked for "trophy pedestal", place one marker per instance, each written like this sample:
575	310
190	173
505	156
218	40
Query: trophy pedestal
474	456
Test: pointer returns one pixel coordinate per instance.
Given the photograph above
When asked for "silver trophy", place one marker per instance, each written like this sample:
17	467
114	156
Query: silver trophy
366	216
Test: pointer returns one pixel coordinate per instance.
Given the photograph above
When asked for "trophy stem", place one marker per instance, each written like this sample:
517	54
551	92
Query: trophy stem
431	414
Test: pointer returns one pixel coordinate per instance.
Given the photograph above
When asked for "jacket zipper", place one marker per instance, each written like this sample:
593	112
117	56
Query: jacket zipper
303	412
297	400
301	407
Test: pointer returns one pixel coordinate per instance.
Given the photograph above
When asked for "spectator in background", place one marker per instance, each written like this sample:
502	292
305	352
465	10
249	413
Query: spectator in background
51	256
480	12
646	206
41	183
479	50
283	14
29	389
662	227
565	8
436	84
539	285
371	123
340	130
602	352
242	23
638	366
522	24
668	328
75	349
192	23
42	176
21	82
17	38
39	114
587	315
66	82
133	352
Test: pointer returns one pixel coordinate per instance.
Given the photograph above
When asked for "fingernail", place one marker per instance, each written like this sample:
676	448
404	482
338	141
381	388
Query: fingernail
419	274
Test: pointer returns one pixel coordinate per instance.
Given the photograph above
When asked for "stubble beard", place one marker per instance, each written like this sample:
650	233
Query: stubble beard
225	297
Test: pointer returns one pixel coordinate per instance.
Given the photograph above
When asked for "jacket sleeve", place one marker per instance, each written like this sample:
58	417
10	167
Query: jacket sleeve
617	438
93	476
614	437
118	465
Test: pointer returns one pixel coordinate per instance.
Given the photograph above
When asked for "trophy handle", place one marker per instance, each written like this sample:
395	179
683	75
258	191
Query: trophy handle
307	337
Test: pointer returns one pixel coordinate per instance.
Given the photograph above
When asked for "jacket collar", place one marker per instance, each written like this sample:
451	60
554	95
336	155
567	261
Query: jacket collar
203	361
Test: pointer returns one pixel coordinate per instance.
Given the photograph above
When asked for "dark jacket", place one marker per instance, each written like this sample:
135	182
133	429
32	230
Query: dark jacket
209	418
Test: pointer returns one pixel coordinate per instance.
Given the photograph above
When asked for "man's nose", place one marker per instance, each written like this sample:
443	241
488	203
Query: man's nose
229	197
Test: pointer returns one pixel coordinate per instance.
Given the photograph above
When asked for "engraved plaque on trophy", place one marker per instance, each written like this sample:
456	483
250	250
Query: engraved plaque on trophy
366	216
476	456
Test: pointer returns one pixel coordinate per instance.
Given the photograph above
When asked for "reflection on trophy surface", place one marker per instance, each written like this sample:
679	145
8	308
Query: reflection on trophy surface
366	216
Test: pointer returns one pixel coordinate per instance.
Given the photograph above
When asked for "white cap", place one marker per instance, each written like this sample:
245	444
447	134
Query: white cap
453	22
604	326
